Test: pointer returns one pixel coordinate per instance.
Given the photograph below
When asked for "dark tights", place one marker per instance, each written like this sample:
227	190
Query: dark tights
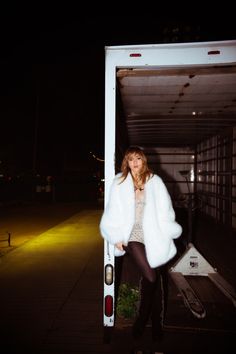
138	254
151	292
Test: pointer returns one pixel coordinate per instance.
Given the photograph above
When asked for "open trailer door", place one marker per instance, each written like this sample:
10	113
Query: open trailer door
148	61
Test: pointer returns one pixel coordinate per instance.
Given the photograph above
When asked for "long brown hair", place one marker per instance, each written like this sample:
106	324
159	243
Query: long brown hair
145	174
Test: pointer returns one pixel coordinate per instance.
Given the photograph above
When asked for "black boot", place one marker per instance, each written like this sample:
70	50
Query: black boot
146	299
158	309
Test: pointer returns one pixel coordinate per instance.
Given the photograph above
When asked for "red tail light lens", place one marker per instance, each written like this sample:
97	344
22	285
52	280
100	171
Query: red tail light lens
135	55
108	305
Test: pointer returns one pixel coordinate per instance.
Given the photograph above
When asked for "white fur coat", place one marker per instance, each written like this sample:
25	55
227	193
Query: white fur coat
159	225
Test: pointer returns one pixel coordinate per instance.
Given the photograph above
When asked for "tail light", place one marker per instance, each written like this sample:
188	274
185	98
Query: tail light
108	305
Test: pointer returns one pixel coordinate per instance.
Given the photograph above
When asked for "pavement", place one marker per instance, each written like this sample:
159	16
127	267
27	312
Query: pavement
51	287
52	291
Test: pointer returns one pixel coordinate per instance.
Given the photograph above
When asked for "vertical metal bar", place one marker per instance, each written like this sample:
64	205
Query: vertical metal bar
110	125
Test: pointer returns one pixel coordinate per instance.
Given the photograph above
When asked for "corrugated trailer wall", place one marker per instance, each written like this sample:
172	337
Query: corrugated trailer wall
169	164
234	180
209	171
216	176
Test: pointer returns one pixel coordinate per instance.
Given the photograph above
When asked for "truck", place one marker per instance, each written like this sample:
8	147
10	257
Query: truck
177	102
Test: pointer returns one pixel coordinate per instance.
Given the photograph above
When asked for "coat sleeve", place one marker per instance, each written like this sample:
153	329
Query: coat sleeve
110	224
167	215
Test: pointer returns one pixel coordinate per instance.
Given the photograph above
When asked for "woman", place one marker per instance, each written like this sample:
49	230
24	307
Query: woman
139	219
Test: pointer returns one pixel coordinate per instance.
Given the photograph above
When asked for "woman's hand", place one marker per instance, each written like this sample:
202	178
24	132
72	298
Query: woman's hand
119	245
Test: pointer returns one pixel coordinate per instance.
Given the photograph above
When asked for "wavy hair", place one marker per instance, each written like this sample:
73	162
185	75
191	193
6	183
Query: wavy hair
145	174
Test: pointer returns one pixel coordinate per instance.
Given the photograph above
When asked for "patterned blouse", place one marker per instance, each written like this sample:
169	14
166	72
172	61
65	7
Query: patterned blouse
137	231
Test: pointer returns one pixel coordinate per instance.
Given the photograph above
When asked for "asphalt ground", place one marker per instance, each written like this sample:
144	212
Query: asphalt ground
51	281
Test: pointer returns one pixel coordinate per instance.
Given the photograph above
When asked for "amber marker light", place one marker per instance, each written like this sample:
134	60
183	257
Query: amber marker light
109	274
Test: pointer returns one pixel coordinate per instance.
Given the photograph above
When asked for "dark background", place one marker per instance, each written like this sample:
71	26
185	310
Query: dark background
52	76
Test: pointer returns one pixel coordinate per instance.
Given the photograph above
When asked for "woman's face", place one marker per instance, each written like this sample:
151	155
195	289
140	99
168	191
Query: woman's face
135	163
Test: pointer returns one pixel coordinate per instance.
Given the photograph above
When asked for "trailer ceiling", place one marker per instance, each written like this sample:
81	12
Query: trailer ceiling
177	107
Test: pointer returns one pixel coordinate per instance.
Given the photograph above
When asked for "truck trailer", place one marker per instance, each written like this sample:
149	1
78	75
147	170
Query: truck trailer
178	103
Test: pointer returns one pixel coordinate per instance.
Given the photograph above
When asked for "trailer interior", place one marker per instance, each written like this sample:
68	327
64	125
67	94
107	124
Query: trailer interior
184	118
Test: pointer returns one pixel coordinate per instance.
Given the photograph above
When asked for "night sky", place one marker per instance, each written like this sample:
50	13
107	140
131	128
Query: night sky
52	78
